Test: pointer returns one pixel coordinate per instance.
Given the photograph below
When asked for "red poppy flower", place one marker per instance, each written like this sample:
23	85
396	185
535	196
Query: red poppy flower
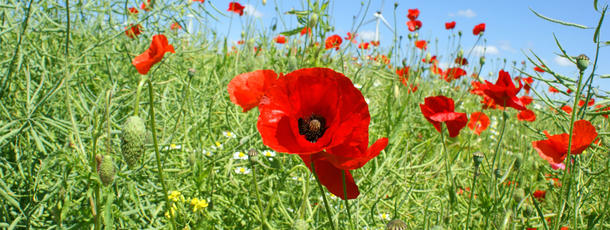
403	72
305	30
133	10
504	92
599	107
146	6
461	61
413	14
449	25
330	176
436	70
478	122
553	89
478	29
175	26
453	73
567	109
539	195
333	42
280	39
538	69
240	42
202	1
351	37
414	25
430	60
421	44
569	91
441	109
132	31
247	89
590	103
153	54
555	148
375	43
237	8
363	45
526	100
526	115
528	84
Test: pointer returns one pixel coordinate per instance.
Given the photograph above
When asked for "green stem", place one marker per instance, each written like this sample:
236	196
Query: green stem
493	164
136	106
569	171
474	183
349	214
258	199
328	214
448	173
156	146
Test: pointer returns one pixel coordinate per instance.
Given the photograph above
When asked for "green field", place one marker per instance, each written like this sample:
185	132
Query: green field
68	86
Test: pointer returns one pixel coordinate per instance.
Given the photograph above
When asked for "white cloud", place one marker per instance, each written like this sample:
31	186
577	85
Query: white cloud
482	50
563	61
251	10
468	13
367	35
505	46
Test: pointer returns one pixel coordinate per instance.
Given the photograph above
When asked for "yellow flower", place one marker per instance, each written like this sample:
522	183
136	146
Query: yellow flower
172	212
175	196
199	204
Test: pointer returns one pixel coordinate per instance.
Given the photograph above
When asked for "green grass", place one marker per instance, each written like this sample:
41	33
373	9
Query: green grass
61	105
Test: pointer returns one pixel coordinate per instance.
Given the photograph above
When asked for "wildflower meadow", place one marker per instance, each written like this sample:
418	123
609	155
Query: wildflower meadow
213	114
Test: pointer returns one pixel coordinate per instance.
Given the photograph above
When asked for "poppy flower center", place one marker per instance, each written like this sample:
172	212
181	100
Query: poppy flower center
312	127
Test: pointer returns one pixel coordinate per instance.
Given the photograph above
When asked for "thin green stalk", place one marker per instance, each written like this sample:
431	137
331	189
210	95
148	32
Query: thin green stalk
493	164
448	173
156	146
136	106
349	214
569	171
258	199
472	187
328	214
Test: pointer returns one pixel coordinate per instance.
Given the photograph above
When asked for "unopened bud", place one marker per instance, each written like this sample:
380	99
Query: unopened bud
410	36
396	224
105	169
482	60
459	33
191	72
461	53
582	62
252	153
477	157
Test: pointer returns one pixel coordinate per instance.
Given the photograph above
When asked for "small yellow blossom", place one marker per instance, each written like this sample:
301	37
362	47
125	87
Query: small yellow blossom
175	196
199	204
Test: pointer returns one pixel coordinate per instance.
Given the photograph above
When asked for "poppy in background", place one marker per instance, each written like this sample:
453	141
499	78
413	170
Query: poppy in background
461	61
133	10
528	84
146	6
421	44
538	69
526	100
333	42
351	37
175	26
539	195
526	115
414	25
154	54
478	29
553	89
132	31
453	73
441	109
305	30
478	122
363	45
375	43
413	14
567	109
237	8
247	89
503	92
599	109
590	103
280	39
555	148
449	25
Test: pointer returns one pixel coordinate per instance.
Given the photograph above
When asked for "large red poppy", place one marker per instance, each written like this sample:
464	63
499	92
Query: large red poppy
453	73
414	25
331	177
478	29
504	92
237	8
153	54
478	122
247	89
450	25
441	109
555	148
333	42
413	14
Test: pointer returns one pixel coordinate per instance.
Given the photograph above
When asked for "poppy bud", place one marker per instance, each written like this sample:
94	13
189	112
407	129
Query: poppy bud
582	62
416	35
498	173
482	60
133	137
428	57
396	224
460	33
191	72
313	20
461	53
105	169
252	153
517	164
395	5
410	36
478	159
264	2
300	225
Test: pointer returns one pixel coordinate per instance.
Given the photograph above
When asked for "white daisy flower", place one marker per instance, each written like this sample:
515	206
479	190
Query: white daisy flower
240	156
217	145
368	101
358	86
242	170
384	216
269	153
207	153
297	178
172	147
229	134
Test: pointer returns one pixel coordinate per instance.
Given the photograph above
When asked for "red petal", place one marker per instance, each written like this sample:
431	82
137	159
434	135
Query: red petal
247	89
349	157
331	177
584	134
454	126
547	150
526	115
154	54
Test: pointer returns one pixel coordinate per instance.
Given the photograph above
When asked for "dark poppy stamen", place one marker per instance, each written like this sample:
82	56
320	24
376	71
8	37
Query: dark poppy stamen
312	128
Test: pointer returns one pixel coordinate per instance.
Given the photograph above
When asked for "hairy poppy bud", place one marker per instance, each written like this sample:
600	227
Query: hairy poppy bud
478	159
313	20
133	137
105	169
396	224
252	153
582	62
482	61
460	53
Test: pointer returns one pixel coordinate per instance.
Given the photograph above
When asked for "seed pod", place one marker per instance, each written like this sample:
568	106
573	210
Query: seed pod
132	140
396	224
582	62
105	169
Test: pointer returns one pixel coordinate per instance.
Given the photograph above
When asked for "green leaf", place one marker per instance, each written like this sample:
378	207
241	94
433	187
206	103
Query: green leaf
599	26
560	22
595	5
298	12
292	32
605	76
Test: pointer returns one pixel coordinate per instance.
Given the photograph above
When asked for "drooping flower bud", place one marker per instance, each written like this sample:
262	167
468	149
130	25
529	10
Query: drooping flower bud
133	137
105	169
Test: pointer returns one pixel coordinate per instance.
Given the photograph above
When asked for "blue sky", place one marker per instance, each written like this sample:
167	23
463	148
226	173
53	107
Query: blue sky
512	30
